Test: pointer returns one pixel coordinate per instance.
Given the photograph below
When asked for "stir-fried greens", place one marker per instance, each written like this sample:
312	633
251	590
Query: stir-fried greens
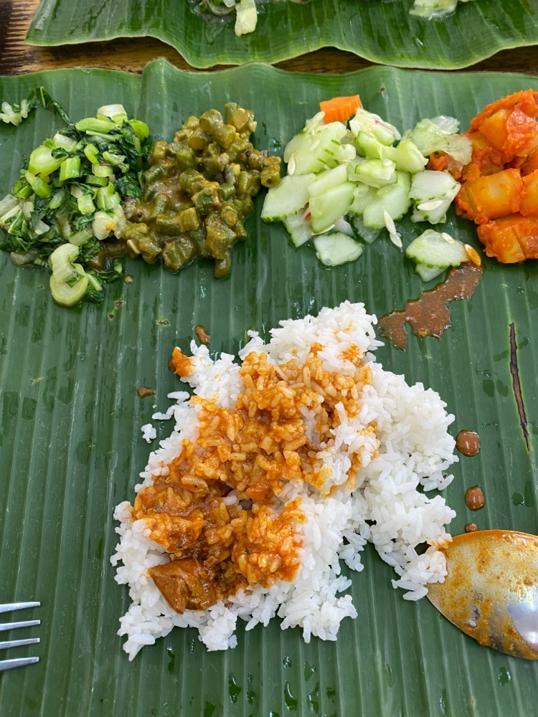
16	112
67	202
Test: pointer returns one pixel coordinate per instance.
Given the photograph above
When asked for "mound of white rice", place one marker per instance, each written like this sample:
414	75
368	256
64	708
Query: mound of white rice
388	508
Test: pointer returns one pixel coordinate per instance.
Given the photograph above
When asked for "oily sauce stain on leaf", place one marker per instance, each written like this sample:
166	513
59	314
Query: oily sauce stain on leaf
429	315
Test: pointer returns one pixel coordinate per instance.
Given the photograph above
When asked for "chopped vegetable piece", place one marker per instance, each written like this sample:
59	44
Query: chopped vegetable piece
15	113
337	248
289	197
428	273
324	181
298	228
393	199
374	126
435	249
340	109
510	239
366	234
246	18
440	134
490	197
529	197
394	236
432	193
373	172
329	207
315	149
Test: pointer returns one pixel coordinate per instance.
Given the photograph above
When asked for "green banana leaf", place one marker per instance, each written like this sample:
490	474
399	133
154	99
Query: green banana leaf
71	448
379	30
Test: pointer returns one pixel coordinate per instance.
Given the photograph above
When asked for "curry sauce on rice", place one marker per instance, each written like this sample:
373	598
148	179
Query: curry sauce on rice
219	511
278	468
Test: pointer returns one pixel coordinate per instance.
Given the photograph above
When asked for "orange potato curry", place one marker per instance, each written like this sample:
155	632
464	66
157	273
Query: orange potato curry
500	185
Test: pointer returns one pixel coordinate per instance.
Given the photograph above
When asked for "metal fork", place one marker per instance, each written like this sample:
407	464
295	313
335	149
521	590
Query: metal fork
18	661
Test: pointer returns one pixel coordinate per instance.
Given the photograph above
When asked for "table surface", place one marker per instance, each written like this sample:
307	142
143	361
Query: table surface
132	54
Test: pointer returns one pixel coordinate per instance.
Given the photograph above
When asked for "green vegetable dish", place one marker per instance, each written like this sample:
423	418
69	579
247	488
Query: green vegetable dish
198	191
87	196
65	210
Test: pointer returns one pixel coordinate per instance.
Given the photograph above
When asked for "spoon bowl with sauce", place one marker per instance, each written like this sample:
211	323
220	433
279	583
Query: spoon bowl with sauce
491	590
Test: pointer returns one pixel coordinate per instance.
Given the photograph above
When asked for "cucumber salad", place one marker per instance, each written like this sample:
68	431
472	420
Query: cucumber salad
351	175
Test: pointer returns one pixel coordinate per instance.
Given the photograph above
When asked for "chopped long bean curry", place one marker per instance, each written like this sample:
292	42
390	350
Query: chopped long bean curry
198	191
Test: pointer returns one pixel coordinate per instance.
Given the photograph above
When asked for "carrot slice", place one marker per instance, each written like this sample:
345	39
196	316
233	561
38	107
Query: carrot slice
441	161
340	109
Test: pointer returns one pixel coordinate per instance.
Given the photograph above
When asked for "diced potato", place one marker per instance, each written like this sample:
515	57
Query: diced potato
529	199
530	164
510	239
496	195
494	129
526	100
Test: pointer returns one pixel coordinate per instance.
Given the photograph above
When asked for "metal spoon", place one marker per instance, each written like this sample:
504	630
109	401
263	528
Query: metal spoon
491	590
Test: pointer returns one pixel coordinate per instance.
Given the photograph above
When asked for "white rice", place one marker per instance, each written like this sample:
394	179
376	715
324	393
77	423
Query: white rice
149	432
389	507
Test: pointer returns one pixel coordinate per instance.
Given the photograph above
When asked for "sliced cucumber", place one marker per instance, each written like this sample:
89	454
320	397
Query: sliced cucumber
435	249
298	228
427	273
316	150
432	193
369	146
289	197
327	208
372	124
362	197
393	199
441	134
345	153
327	180
373	172
336	248
407	157
365	233
344	227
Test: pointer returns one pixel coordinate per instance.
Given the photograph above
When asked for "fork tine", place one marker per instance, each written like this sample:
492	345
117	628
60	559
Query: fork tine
17	662
19	643
9	606
14	625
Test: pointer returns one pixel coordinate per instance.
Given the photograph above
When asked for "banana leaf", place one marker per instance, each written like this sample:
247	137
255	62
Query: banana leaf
71	448
382	31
